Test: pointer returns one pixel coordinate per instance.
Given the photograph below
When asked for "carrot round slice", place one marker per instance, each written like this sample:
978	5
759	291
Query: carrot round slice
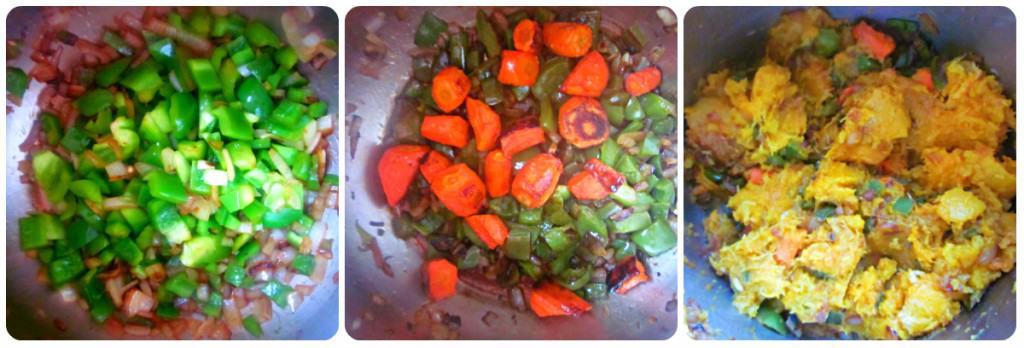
485	122
535	183
521	135
518	68
582	122
525	36
588	78
491	230
435	163
643	81
460	189
442	277
446	129
497	173
550	299
450	88
567	39
397	168
585	186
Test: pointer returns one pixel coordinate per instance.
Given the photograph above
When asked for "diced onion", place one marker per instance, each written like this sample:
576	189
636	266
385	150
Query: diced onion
118	203
229	164
666	16
117	171
137	302
214	177
281	165
203	165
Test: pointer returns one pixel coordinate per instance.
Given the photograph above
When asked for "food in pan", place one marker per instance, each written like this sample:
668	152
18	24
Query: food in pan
535	158
177	170
867	181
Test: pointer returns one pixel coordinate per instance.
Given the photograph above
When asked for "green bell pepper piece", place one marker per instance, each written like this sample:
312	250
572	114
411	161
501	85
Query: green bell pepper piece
86	189
80	234
588	221
517	245
286	58
259	35
127	250
635	222
656	107
37	230
166	219
281	218
550	78
656	238
123	131
17	81
180	284
93	101
558	239
65	269
75	140
229	78
486	34
650	146
231	25
53	175
252	325
277	292
203	250
166	187
254	98
205	75
232	123
144	80
429	29
304	264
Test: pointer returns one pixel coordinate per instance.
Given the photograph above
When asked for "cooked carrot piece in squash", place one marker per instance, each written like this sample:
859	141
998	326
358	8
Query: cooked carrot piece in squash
643	81
518	68
450	88
497	173
536	181
586	187
442	277
397	168
875	42
588	78
521	135
485	122
460	190
567	39
550	299
628	274
489	228
446	129
434	163
526	36
583	122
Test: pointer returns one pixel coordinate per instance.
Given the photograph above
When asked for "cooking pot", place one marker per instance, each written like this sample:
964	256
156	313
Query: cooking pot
714	37
381	307
33	308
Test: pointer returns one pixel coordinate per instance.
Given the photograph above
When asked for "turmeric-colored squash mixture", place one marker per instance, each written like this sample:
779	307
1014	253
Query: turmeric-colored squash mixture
857	180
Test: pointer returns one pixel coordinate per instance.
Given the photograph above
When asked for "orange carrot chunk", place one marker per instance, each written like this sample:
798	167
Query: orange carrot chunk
518	68
435	163
450	88
756	176
924	77
588	78
586	187
460	189
567	39
582	122
643	81
610	178
526	36
521	135
497	173
628	274
397	168
442	276
489	228
536	181
550	299
875	42
446	129
485	122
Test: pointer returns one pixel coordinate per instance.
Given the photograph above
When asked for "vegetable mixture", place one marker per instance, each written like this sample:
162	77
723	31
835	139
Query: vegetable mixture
864	183
178	170
533	158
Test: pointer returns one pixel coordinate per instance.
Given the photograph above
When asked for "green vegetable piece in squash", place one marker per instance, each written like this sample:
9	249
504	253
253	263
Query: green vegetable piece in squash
259	35
656	238
203	250
93	101
166	219
232	123
53	175
123	131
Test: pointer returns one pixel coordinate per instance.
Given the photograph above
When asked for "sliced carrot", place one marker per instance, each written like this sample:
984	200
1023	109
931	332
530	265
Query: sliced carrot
442	277
643	81
582	122
526	36
450	88
397	168
446	129
550	299
588	78
756	176
521	135
536	181
434	163
875	42
585	186
518	68
497	173
924	76
567	39
610	178
460	189
489	228
628	274
485	122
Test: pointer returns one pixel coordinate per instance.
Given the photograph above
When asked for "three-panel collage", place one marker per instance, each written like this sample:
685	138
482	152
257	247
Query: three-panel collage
351	174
